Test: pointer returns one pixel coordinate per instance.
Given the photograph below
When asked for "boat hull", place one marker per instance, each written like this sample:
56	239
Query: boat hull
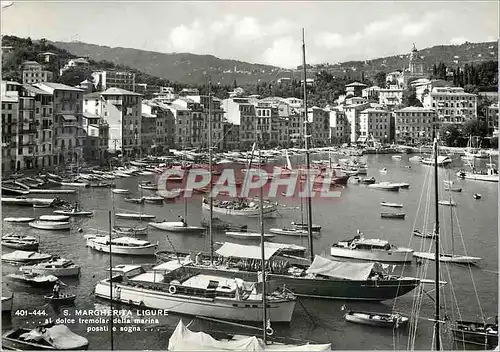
457	259
74	213
375	255
46	225
32	283
9	342
142	251
20	245
135	216
268	211
176	227
59	272
249	310
367	319
19	220
480	338
62	299
479	177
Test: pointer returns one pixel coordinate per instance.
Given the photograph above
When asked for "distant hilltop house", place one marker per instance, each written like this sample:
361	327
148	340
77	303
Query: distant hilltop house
237	92
354	88
80	64
47	57
117	79
33	72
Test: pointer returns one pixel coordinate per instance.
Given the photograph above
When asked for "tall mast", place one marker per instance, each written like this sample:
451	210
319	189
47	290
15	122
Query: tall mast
263	260
210	170
306	136
436	241
110	284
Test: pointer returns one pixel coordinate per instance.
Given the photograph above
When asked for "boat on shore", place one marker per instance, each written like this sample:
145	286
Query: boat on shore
55	266
32	279
176	226
371	249
21	242
44	337
50	225
25	257
175	287
391	205
121	245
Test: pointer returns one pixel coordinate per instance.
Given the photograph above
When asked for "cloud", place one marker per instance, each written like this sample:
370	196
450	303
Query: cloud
458	40
284	52
330	40
186	38
247	29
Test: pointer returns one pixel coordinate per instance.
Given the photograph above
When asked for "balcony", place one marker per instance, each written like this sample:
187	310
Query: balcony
28	143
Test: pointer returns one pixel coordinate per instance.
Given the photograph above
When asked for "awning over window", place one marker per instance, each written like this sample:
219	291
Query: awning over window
69	117
362	139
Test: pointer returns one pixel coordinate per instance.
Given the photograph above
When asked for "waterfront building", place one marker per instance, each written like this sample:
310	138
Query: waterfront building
352	113
319	126
148	132
415	125
452	104
240	113
424	86
165	125
69	135
96	142
375	123
114	79
33	72
492	118
213	105
231	136
355	88
9	133
339	127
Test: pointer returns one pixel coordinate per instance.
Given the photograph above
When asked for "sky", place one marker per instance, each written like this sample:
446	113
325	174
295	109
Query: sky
259	31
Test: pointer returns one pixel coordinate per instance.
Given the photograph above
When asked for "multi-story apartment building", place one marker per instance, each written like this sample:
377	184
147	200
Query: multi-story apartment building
339	127
354	88
148	133
9	133
395	78
318	126
182	118
33	72
390	97
231	139
492	118
241	113
114	79
267	123
165	124
122	110
191	126
96	143
375	123
212	106
452	104
371	93
352	113
415	125
69	136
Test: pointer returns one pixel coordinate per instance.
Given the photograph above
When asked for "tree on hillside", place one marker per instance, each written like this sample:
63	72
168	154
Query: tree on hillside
72	77
379	79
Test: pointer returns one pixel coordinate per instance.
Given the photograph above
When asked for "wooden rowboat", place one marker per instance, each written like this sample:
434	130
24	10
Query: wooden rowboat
62	299
383	320
392	215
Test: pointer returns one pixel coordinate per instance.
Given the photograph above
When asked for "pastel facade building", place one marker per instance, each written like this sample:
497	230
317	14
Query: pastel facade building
339	127
96	142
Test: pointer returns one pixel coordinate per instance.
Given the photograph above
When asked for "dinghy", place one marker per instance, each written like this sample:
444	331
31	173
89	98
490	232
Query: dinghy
476	196
154	199
383	320
25	257
300	225
289	232
54	217
386	186
121	191
50	225
134	216
449	203
176	226
248	235
32	279
21	242
452	189
421	234
124	230
134	200
391	205
19	219
74	212
64	298
448	258
45	337
392	215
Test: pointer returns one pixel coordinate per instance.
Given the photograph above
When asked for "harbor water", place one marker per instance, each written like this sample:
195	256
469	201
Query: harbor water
470	291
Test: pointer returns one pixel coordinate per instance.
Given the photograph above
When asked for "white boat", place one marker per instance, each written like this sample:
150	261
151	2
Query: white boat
176	226
54	217
32	279
448	258
55	266
74	212
386	186
250	209
149	187
391	205
19	219
304	226
383	171
372	250
153	199
402	184
121	191
376	319
398	157
50	225
491	175
74	184
184	339
121	245
125	230
289	232
449	203
7	304
248	235
477	153
441	160
21	242
44	337
176	287
415	158
25	257
134	216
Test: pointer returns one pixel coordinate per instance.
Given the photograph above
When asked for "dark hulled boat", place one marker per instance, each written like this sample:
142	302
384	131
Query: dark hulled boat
476	333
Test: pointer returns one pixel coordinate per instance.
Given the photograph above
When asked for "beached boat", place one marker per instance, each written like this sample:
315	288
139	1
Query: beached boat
391	205
32	279
248	235
176	226
240	207
448	258
55	266
121	245
134	216
7	304
386	186
125	230
392	215
54	217
64	298
25	257
300	225
21	242
383	320
50	225
121	191
45	337
74	212
476	333
172	286
449	203
372	250
19	219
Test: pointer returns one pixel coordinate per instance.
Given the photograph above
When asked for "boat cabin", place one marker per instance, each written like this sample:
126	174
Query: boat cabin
364	244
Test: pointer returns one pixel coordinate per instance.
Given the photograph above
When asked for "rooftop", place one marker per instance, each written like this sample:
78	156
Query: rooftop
356	84
414	108
35	90
57	86
119	91
92	95
9	99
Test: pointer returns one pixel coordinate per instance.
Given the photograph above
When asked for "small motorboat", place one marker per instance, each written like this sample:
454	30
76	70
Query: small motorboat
64	298
25	257
133	216
452	189
18	219
391	205
124	230
154	199
50	225
476	196
477	333
151	187
45	337
392	215
289	232
418	233
41	205
54	217
383	320
32	279
315	228
176	226
449	203
448	258
21	242
55	266
134	200
7	304
74	212
402	185
368	181
248	235
121	191
386	186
